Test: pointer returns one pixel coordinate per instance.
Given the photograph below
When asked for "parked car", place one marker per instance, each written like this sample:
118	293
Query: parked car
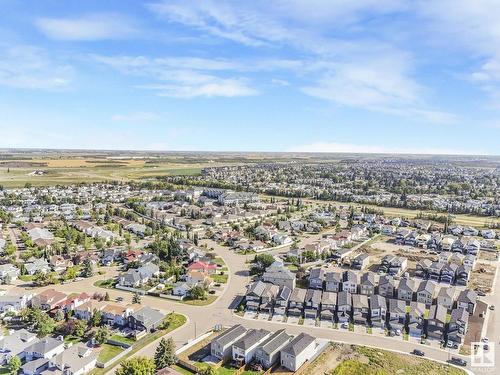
492	307
418	352
458	361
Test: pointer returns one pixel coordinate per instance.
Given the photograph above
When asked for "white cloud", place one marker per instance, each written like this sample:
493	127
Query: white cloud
86	28
136	117
31	67
183	77
214	87
326	147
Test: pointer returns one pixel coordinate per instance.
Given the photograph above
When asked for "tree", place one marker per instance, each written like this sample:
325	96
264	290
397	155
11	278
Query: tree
88	268
102	335
198	292
14	364
107	297
136	298
165	354
70	273
80	328
208	370
40	321
96	318
137	366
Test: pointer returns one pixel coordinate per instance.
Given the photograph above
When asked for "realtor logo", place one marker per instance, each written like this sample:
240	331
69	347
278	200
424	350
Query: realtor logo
480	357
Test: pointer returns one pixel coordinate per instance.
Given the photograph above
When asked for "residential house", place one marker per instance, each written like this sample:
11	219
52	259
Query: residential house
436	322
59	263
133	278
467	299
8	273
47	348
448	273
316	278
333	281
243	350
117	315
426	291
14	303
48	299
268	298
360	308
278	274
344	306
146	319
76	360
445	297
253	295
350	282
367	285
416	316
282	299
434	270
301	349
296	302
221	346
463	275
457	327
312	303
14	344
378	310
37	265
361	261
386	286
422	268
87	309
328	305
268	353
406	289
397	314
200	266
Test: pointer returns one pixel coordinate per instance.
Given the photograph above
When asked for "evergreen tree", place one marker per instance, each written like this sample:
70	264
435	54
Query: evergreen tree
165	354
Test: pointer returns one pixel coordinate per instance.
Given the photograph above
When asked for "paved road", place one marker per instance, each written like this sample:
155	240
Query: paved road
202	319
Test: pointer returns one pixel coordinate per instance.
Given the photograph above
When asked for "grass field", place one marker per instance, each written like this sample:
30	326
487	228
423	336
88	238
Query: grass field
339	359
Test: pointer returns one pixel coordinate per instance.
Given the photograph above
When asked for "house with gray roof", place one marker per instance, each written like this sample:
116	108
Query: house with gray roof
312	303
344	306
296	302
268	298
467	299
328	306
243	350
316	278
14	344
253	295
436	322
426	291
457	327
397	314
47	348
76	360
301	349
278	274
221	346
350	282
386	286
281	302
360	308
268	353
14	303
367	285
35	367
446	297
135	277
333	281
146	319
416	317
406	289
378	310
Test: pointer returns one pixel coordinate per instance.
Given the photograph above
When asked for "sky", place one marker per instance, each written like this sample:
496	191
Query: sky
397	76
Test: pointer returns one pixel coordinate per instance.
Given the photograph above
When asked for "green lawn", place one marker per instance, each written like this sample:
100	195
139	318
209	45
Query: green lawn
203	302
221	279
109	351
122	339
26	278
109	283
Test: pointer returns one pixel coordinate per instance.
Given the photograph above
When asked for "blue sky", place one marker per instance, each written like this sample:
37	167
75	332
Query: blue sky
288	75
